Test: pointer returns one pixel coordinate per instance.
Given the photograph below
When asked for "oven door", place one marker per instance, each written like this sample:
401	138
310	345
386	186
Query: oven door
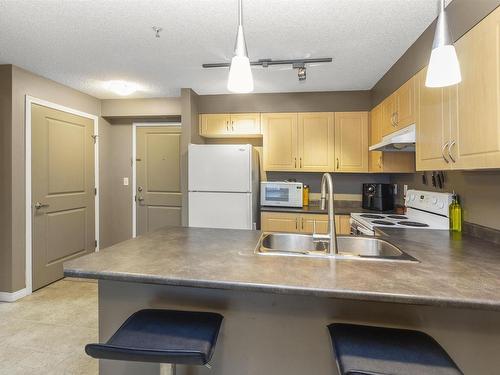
358	229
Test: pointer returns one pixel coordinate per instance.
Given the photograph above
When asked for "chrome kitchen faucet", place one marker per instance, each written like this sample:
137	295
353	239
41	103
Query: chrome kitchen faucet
331	237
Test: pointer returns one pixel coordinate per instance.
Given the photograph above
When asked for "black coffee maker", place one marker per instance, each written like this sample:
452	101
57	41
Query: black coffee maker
378	197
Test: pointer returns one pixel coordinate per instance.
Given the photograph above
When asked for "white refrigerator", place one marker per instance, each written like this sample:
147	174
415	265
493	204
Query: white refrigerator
223	185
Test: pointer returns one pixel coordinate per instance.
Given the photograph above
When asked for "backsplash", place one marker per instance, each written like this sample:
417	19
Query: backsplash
343	183
479	193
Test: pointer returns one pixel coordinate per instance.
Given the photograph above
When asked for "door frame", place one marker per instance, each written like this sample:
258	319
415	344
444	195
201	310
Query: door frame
136	125
29	100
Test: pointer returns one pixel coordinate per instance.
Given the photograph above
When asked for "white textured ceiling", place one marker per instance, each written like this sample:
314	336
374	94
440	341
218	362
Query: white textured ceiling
82	43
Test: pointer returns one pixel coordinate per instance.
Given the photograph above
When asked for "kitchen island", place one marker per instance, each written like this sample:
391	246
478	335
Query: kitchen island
276	308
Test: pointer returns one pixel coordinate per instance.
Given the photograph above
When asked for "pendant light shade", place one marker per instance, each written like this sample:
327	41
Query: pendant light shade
240	73
444	69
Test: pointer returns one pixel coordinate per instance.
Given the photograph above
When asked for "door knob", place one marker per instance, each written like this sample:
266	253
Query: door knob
39	205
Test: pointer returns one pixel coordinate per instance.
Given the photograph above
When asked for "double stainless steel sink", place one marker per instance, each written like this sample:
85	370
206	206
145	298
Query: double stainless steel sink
349	247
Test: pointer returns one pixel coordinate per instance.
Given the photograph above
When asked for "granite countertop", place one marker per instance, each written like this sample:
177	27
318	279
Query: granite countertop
341	208
460	272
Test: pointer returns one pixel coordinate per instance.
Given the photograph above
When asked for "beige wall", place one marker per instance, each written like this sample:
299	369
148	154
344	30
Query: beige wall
5	180
135	108
330	101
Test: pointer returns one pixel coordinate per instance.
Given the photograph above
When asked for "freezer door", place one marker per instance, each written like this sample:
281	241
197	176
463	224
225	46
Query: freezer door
221	168
221	210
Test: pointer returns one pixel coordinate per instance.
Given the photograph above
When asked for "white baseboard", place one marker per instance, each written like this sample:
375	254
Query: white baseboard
11	297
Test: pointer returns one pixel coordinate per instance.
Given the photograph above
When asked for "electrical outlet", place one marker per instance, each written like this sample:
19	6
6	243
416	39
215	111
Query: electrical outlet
125	181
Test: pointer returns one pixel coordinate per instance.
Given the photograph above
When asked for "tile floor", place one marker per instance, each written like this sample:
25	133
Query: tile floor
45	333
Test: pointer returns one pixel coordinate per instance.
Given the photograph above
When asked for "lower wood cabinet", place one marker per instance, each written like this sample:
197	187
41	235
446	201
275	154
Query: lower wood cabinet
302	223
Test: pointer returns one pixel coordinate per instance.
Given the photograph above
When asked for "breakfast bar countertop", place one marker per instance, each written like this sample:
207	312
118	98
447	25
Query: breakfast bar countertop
453	271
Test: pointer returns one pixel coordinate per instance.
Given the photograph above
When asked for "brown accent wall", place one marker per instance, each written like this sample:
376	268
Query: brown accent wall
190	104
13	164
330	101
479	193
5	180
462	15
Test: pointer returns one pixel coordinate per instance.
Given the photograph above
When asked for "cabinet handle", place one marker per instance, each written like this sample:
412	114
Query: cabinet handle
227	126
295	162
338	164
232	126
380	161
302	222
392	119
396	121
449	151
300	162
296	223
442	152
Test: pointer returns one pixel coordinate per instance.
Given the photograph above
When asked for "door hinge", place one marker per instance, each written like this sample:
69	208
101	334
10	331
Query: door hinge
95	244
94	137
95	191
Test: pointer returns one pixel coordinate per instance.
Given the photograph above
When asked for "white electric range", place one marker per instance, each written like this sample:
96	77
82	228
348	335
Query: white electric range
424	210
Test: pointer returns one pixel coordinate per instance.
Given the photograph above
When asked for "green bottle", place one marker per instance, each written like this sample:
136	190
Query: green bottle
455	214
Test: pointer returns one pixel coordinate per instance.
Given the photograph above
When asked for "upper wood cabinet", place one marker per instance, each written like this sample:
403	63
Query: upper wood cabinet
458	127
316	141
280	141
386	162
230	125
351	141
298	141
475	141
399	109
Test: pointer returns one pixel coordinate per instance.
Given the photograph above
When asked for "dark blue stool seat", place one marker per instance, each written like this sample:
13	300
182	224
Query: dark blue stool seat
163	336
369	350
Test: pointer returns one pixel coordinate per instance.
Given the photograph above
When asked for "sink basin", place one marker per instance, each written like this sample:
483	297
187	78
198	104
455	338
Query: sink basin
350	247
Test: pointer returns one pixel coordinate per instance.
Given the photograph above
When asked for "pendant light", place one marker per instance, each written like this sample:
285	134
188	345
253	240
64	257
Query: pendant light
240	74
444	69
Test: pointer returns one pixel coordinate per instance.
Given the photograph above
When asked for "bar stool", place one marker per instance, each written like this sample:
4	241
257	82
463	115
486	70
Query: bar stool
361	350
162	336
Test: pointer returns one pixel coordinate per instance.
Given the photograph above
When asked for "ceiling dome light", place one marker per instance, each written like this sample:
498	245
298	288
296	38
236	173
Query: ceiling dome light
122	88
444	68
240	73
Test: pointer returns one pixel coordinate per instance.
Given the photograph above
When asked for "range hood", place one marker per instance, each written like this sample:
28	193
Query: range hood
402	141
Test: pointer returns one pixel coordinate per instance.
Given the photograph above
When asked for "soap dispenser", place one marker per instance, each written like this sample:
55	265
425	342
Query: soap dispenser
455	214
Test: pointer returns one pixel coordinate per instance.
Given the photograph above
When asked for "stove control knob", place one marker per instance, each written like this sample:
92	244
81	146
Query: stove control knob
434	201
441	205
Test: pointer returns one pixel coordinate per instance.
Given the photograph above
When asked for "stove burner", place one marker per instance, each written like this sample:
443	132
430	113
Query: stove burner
382	222
371	216
397	217
412	224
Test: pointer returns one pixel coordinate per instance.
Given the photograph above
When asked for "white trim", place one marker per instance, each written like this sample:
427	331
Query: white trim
28	102
14	296
136	125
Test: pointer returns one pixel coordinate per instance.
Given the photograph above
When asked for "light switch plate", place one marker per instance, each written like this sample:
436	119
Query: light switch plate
125	181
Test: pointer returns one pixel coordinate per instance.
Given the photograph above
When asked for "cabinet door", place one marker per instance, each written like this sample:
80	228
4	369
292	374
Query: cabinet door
375	157
215	125
307	223
316	141
388	115
351	141
245	124
280	222
433	126
405	105
343	225
280	141
476	141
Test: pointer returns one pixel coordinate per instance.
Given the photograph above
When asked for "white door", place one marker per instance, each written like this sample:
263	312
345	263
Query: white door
220	210
220	168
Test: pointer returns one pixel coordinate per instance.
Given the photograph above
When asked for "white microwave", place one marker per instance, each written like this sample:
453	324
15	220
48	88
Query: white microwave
284	194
